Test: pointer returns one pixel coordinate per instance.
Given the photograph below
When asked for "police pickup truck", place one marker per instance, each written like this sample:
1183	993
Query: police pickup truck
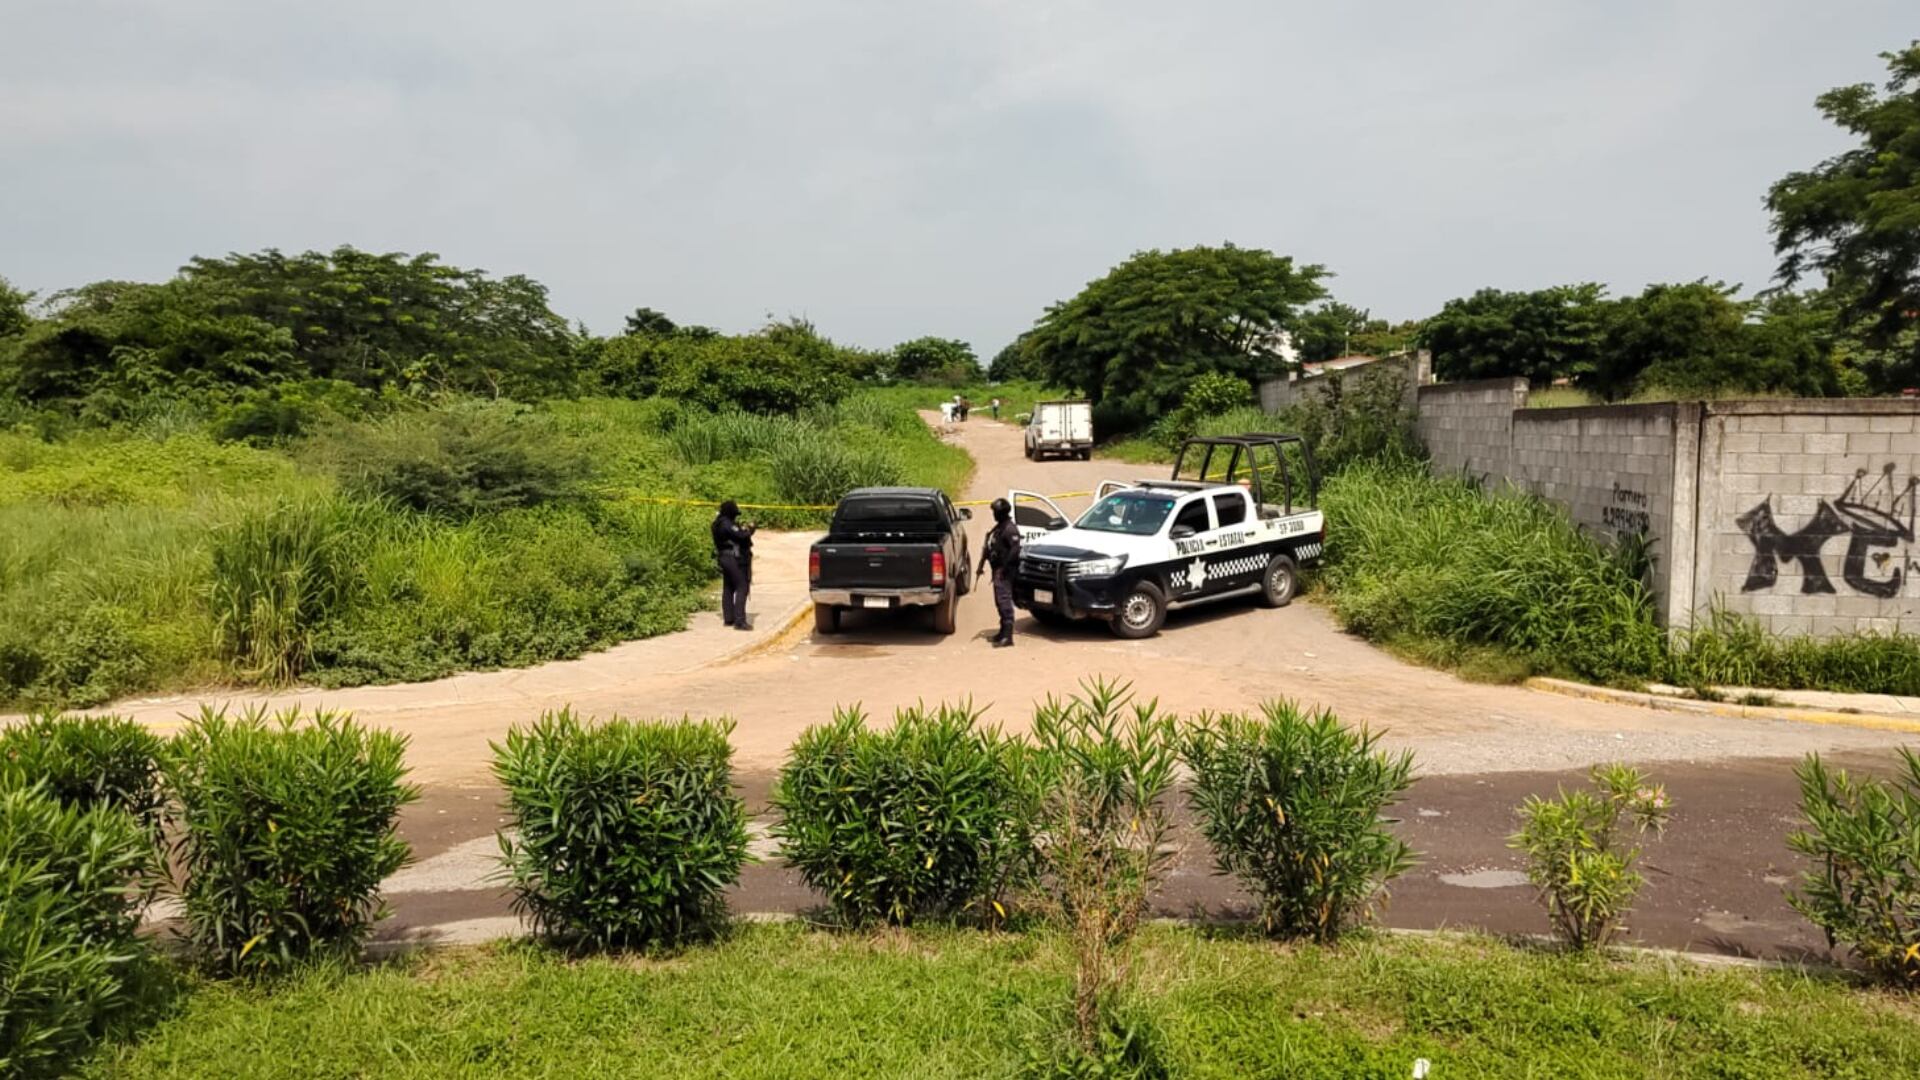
1245	523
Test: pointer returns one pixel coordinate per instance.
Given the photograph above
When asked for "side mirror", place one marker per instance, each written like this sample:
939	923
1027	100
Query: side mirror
1056	524
966	514
1181	532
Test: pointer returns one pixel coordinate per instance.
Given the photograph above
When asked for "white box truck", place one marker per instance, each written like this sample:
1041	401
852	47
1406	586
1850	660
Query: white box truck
1060	427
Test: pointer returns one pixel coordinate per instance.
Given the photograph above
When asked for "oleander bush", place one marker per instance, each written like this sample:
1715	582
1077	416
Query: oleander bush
926	818
88	761
1103	767
288	824
73	881
1291	801
1581	857
620	833
1863	836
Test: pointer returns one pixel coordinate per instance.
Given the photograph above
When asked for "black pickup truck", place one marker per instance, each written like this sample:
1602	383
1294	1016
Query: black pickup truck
891	548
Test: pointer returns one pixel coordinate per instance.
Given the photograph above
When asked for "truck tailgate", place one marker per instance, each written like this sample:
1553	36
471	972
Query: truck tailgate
855	566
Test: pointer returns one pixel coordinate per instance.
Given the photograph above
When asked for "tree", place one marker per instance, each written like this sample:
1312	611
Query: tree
1015	363
1137	336
1700	339
1327	331
935	359
14	314
230	325
1855	218
647	321
1544	335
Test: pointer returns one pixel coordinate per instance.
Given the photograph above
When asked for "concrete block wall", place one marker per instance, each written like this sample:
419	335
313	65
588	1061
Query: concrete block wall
1468	427
1413	369
1805	517
1612	467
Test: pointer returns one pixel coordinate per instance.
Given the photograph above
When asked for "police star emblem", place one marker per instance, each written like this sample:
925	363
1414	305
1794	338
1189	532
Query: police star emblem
1196	574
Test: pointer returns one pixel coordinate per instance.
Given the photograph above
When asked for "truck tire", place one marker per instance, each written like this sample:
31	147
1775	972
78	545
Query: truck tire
1029	448
1086	455
964	583
1141	613
943	613
826	619
1279	582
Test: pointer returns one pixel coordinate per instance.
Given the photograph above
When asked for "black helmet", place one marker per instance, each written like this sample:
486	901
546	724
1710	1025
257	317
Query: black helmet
729	510
1002	509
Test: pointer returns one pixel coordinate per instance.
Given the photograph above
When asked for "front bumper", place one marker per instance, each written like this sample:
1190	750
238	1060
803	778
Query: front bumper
894	598
1043	585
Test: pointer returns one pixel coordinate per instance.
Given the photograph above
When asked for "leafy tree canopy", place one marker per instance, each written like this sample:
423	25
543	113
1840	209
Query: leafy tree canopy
1543	335
932	358
1137	336
14	315
1335	329
782	367
645	320
224	325
1855	218
1015	362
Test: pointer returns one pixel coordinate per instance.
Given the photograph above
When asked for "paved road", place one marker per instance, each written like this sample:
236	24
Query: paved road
1716	881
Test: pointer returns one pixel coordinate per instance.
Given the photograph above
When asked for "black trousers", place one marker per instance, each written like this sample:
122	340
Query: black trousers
1003	603
736	581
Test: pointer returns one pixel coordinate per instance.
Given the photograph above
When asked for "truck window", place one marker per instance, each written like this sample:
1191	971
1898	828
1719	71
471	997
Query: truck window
1230	509
1193	516
1136	513
904	509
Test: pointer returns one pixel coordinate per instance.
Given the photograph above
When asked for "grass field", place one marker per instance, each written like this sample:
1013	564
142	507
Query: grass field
785	1001
465	536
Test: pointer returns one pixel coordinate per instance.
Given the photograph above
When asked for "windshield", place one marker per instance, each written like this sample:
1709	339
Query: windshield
1133	512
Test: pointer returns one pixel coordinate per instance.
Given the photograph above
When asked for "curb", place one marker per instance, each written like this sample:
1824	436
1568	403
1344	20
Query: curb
790	623
1869	721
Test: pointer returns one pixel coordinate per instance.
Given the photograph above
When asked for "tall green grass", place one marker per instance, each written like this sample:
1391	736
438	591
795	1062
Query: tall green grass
1421	559
152	558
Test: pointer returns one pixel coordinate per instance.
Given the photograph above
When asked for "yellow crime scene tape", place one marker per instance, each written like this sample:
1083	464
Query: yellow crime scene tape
663	501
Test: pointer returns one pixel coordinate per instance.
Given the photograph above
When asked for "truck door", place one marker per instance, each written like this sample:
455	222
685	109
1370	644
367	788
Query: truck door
1035	515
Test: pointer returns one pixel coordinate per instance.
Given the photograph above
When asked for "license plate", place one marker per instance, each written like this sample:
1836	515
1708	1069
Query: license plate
874	602
1043	596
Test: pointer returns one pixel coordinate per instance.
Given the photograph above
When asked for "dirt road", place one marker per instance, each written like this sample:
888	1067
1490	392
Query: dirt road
1480	748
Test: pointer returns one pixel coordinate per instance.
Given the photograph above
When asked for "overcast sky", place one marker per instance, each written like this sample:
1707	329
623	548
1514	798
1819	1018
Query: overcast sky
896	168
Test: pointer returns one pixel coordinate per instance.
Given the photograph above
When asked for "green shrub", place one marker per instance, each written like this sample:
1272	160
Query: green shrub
924	819
278	571
288	826
1578	851
1864	838
1291	803
623	833
460	459
72	884
1102	767
817	468
88	761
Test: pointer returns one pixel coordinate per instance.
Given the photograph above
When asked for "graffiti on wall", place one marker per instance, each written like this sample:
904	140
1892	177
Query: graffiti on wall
1626	512
1873	513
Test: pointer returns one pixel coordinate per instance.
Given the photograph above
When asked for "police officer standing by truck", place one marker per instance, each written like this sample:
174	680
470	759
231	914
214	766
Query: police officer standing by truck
1003	554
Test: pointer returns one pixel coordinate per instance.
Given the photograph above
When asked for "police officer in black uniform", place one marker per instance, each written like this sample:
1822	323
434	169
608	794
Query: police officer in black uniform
733	549
1003	554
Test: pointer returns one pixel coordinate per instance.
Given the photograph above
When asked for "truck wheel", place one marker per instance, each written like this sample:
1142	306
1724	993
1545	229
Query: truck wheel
1141	613
1086	455
1029	449
826	619
943	614
1277	585
964	583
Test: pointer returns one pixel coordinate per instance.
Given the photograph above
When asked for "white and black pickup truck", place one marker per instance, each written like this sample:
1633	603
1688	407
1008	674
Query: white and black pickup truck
1245	523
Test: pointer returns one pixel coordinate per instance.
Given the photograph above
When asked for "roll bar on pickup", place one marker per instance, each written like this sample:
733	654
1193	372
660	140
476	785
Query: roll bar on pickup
1242	452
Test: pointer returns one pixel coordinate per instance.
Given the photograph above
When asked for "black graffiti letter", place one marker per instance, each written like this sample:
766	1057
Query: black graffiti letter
1771	547
1854	570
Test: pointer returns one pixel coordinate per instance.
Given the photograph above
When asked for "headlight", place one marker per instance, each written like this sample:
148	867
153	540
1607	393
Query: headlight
1096	567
